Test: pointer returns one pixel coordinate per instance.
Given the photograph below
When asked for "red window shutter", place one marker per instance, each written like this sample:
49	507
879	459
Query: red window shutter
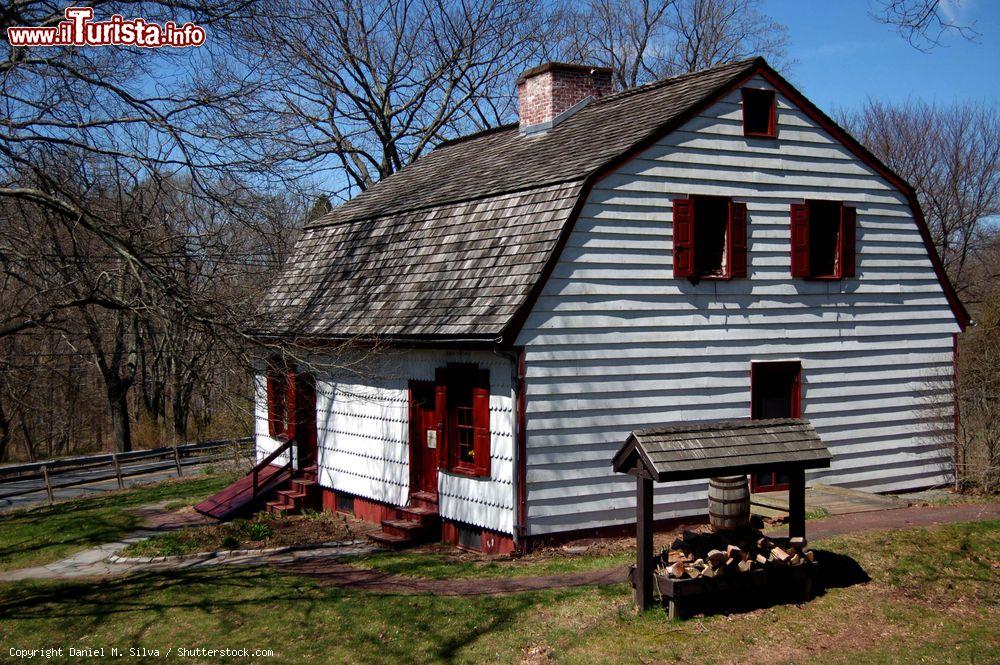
737	245
441	418
683	238
481	422
276	400
800	240
291	404
848	240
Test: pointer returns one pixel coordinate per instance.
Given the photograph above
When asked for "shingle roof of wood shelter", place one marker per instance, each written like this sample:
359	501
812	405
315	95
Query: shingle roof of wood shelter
702	450
451	245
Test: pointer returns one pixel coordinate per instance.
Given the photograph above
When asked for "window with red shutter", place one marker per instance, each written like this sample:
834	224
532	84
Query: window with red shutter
462	412
710	238
823	238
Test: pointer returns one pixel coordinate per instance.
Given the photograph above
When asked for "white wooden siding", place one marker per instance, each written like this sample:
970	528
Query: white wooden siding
363	434
616	343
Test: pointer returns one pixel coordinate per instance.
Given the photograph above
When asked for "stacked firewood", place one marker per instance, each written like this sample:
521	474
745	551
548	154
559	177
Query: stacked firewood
697	555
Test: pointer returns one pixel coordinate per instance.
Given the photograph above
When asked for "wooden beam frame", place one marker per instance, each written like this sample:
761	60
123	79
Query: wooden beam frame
796	502
644	543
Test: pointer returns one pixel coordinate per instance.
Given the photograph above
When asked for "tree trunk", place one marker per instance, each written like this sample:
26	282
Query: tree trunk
120	426
4	433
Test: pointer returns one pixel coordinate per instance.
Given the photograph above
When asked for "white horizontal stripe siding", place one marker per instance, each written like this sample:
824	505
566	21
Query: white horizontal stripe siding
615	343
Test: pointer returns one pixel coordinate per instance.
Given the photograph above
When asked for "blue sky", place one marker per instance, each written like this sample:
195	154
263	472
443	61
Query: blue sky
842	55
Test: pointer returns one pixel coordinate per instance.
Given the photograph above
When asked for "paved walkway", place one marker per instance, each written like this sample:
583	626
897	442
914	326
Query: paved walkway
327	566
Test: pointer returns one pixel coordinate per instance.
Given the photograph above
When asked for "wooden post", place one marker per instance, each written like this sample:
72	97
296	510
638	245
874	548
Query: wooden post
177	462
48	483
796	502
644	542
118	470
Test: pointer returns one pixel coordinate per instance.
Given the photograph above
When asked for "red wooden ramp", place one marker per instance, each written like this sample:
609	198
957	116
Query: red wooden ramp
240	495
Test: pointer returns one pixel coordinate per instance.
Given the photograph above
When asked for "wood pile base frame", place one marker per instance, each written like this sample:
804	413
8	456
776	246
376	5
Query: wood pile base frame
796	581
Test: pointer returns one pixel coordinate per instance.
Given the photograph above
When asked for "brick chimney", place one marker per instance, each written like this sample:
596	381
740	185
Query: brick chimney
546	91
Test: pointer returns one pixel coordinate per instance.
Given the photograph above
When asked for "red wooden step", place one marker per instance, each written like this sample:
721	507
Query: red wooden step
423	516
304	486
424	500
403	528
388	540
238	496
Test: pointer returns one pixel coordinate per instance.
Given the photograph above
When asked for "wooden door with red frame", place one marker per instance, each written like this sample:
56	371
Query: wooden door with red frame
304	391
424	446
775	392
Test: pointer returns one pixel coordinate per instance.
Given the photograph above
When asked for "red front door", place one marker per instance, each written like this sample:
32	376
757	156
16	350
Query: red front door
423	438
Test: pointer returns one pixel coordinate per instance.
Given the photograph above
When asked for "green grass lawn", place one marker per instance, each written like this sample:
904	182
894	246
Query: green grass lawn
36	536
933	597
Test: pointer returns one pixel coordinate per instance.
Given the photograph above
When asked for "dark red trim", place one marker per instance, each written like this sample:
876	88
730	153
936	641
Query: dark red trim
760	67
490	542
955	405
368	510
521	516
795	408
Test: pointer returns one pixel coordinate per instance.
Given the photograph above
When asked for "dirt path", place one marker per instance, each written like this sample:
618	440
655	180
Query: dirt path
900	518
344	575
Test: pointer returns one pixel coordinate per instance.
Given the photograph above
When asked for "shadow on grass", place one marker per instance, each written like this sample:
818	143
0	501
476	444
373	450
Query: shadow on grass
834	571
263	606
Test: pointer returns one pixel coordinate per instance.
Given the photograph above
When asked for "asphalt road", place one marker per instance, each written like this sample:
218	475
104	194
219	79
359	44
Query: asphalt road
95	481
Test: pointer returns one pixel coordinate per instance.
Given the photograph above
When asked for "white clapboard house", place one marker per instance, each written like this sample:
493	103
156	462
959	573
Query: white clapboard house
711	246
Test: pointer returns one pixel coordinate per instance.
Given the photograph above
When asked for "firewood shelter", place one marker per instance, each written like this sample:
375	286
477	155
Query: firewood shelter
711	450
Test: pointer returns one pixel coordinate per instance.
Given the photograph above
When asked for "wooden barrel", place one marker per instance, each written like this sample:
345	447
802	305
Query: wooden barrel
729	503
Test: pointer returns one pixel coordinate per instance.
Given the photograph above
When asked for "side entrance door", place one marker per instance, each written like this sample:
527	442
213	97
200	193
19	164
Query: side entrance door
424	445
305	419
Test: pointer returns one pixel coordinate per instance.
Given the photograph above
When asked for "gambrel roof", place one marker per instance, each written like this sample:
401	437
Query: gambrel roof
456	246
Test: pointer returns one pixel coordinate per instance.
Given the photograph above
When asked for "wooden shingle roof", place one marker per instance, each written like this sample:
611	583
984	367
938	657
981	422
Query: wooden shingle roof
702	450
450	247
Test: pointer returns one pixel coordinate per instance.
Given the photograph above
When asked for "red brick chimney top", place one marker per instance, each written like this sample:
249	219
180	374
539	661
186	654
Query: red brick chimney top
545	91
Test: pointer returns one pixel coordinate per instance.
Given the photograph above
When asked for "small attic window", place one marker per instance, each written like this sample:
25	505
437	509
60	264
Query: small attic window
760	117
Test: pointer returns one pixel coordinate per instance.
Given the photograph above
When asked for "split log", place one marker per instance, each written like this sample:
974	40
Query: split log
717	557
677	570
797	542
744	565
761	559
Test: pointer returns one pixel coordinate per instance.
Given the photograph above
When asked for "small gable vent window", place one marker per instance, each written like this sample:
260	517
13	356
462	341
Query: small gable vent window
710	238
823	238
760	113
462	413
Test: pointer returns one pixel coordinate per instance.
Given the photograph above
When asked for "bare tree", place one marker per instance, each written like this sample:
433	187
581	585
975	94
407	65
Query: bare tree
923	23
951	156
645	40
360	88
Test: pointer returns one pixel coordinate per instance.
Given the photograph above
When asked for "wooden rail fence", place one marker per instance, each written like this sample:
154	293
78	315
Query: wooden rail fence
119	465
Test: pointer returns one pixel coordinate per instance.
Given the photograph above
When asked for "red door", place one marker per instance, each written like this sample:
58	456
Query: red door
305	419
423	438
